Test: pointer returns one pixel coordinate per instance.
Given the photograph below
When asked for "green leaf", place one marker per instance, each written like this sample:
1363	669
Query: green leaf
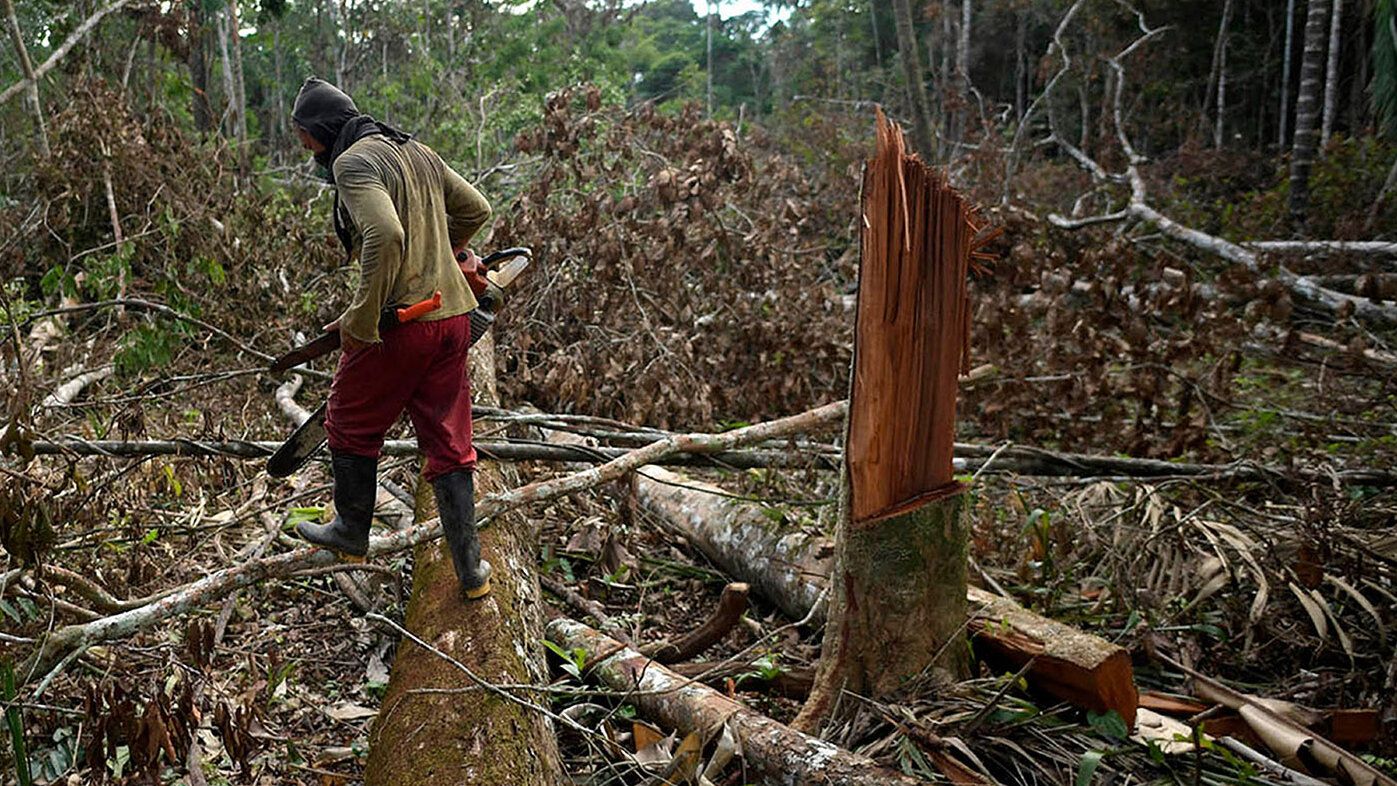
1108	723
1087	767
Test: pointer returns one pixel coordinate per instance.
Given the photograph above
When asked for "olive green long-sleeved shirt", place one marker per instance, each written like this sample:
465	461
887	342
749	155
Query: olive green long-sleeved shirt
408	210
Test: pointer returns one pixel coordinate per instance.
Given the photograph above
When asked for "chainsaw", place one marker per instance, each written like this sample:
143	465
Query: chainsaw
488	281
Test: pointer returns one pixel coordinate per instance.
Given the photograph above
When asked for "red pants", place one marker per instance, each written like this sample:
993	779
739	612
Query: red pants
420	367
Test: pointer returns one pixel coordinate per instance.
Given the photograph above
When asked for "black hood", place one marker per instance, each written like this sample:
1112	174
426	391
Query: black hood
323	109
330	116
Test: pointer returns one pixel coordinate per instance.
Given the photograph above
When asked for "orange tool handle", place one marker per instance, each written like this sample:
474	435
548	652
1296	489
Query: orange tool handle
416	310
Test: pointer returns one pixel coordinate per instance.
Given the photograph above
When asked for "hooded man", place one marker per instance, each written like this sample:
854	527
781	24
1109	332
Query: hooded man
406	214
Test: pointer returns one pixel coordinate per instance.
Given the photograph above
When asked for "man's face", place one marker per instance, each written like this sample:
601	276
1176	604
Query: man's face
307	141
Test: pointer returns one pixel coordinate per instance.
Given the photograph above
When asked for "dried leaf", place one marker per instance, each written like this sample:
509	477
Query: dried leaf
347	711
1361	600
1313	609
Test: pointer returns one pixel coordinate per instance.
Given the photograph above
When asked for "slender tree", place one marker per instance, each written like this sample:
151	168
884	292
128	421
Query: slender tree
1307	106
41	137
1217	83
1331	73
1285	69
912	72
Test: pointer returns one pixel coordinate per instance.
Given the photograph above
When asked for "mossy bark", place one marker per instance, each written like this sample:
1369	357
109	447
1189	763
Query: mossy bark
897	606
426	734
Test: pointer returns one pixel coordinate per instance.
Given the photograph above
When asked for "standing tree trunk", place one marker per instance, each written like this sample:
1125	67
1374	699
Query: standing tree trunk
239	97
430	730
1217	82
897	601
912	73
1331	73
1307	112
198	63
228	121
963	46
1285	69
877	39
1020	64
41	136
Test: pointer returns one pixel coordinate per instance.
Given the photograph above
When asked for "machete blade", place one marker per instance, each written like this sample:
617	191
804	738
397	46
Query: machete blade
303	443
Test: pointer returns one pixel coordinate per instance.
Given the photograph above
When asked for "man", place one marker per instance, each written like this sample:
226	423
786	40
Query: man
406	213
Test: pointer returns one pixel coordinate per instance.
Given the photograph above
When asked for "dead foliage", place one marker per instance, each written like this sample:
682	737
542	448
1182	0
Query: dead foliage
675	259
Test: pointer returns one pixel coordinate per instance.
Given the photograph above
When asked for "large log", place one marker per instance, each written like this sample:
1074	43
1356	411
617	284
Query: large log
784	565
425	733
775	752
794	565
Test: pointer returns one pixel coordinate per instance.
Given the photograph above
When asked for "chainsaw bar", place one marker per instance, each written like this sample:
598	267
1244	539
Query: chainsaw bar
309	437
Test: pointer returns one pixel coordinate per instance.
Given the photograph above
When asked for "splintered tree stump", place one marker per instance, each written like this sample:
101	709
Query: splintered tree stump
431	731
897	590
1072	665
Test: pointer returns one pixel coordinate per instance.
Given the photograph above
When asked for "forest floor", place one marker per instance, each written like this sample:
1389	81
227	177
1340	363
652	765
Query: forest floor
1285	588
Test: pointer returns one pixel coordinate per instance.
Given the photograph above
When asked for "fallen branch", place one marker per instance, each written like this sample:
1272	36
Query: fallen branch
1297	745
217	585
65	393
731	606
776	752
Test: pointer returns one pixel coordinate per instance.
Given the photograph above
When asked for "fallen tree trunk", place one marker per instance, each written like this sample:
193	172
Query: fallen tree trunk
426	731
749	546
66	642
1068	664
1021	460
779	754
784	565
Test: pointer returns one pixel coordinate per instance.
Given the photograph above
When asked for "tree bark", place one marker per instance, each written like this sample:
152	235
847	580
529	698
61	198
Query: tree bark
897	602
1331	73
1307	105
41	137
912	73
436	737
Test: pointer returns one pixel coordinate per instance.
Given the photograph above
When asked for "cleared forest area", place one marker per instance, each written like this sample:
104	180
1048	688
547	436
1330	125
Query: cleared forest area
1177	418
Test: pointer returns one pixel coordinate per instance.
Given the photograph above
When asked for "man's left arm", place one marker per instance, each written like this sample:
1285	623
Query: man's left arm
466	210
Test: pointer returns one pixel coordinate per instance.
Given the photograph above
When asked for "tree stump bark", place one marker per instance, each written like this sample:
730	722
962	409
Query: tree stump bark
897	591
468	736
